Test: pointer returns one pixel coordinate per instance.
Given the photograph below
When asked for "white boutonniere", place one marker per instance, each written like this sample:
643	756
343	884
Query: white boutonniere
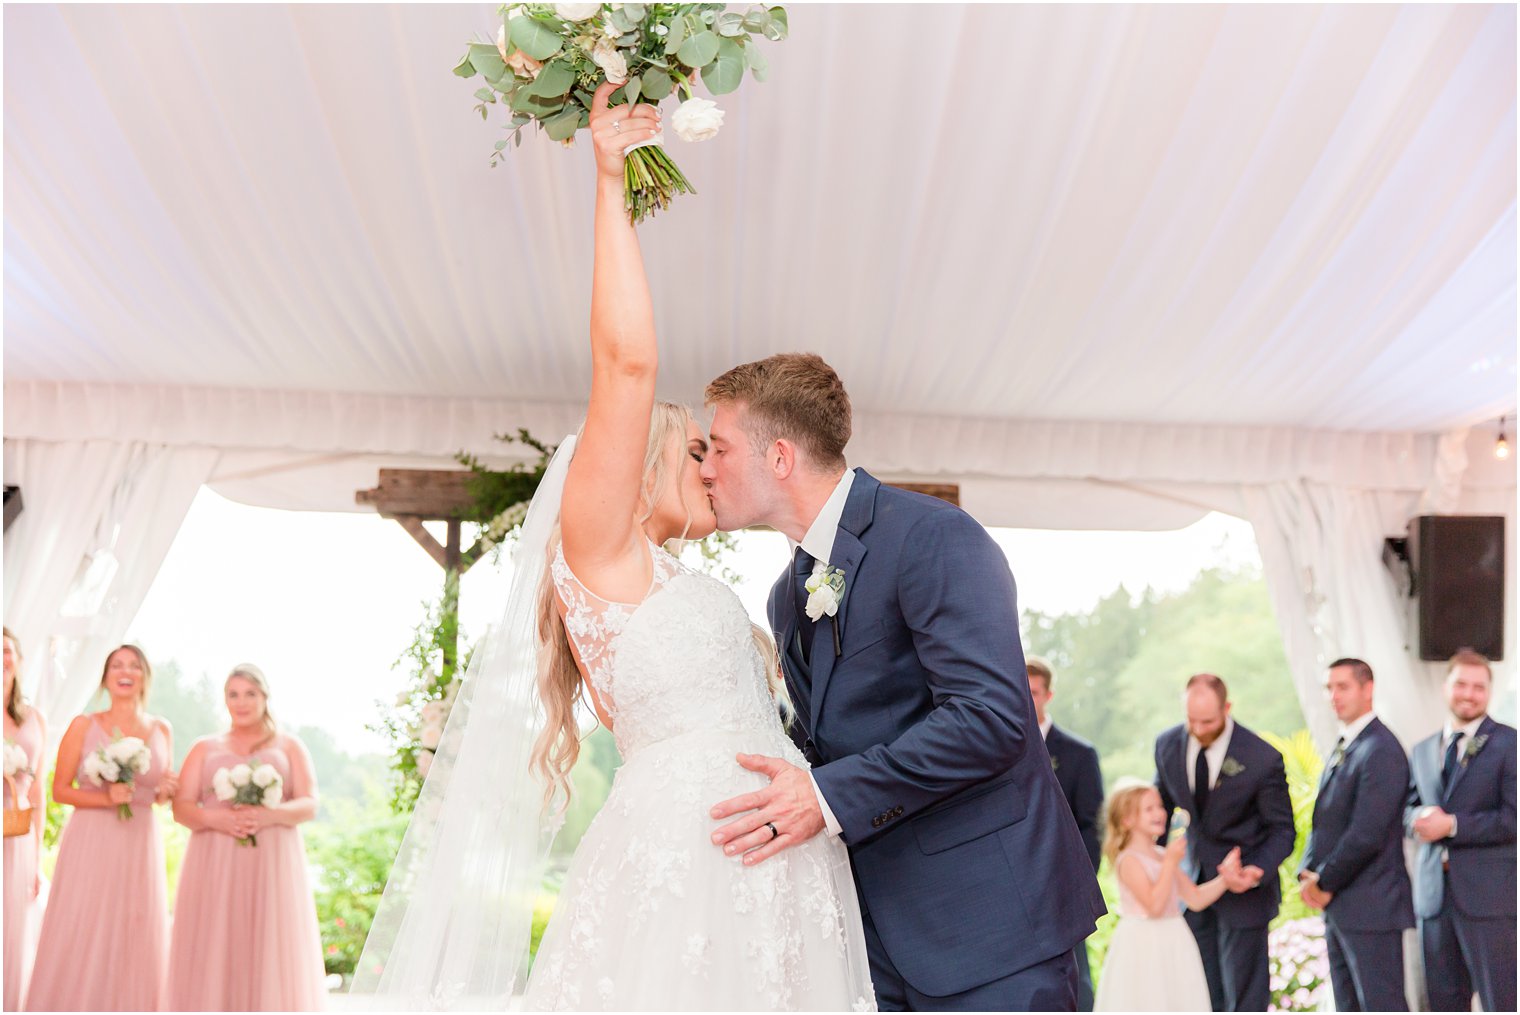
825	589
1474	745
1230	767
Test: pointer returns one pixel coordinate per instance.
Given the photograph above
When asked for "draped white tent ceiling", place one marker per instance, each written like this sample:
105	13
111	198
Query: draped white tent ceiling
1261	216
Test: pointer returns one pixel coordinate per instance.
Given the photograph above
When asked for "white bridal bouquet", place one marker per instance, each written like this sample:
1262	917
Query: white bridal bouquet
251	783
122	760
548	59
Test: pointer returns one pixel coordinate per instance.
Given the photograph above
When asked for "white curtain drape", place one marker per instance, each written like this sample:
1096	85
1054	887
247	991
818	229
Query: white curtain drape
97	521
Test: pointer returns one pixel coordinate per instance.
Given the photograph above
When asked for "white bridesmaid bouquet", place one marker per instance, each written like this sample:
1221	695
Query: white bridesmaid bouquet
252	785
16	761
122	760
548	59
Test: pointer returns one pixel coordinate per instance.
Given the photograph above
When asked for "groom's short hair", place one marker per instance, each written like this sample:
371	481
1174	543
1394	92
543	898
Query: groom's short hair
791	395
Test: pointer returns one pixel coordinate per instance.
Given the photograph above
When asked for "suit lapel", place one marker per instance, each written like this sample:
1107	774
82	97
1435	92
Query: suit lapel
848	552
1485	728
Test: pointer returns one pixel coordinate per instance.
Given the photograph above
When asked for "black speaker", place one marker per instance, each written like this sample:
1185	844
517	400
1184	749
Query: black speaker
1458	584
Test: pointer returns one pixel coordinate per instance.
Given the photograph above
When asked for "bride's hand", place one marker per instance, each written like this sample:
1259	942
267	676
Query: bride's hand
614	130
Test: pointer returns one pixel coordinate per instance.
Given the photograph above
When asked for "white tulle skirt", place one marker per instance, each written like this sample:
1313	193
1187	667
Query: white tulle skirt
1152	965
653	916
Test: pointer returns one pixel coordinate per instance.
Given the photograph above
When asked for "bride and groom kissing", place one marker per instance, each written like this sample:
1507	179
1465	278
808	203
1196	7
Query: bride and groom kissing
903	844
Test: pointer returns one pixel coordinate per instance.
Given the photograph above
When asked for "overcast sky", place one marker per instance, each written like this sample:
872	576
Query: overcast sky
325	602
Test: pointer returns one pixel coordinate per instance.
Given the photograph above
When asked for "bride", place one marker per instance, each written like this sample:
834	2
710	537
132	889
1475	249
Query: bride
652	915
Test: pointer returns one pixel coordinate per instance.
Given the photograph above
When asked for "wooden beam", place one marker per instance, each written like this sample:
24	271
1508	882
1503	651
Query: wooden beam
424	538
950	492
431	494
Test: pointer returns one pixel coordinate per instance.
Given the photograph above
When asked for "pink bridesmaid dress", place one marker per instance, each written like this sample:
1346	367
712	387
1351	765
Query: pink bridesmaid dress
21	875
245	923
105	938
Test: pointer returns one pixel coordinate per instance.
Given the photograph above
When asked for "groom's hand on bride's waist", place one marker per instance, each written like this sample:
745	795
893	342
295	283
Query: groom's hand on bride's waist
769	820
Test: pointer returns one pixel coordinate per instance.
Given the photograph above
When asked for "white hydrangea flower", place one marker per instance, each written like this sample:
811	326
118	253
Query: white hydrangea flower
240	774
221	785
273	795
265	776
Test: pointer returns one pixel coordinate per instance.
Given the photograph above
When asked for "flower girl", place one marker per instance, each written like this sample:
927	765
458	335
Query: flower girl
1153	962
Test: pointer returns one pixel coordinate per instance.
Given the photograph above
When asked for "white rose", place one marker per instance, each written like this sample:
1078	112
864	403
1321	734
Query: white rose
110	771
91	768
424	762
142	761
265	776
241	775
222	786
822	601
430	736
123	751
697	119
611	61
273	795
433	713
577	12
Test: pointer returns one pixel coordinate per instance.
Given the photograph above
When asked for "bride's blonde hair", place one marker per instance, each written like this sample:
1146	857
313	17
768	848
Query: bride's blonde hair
560	687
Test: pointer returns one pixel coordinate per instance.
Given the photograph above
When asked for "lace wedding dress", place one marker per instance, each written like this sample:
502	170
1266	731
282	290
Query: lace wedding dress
652	914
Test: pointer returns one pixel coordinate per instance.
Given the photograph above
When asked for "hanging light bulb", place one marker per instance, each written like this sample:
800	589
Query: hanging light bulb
1501	446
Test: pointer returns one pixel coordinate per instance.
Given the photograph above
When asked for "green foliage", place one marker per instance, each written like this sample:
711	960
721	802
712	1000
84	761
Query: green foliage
351	852
193	707
1121	666
1303	764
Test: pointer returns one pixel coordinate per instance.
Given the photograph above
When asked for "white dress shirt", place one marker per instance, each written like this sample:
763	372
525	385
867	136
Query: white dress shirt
818	541
1045	728
1213	754
1353	729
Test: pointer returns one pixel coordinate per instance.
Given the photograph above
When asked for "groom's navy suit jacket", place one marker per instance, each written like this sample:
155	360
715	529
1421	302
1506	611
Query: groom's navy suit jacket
924	743
1248	807
1356	844
1482	853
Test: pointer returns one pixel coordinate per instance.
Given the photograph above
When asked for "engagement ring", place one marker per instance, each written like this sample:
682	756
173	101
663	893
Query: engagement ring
617	125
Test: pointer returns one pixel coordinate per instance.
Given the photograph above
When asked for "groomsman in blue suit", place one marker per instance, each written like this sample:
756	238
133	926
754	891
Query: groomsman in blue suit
1461	809
1075	762
1353	867
1234	788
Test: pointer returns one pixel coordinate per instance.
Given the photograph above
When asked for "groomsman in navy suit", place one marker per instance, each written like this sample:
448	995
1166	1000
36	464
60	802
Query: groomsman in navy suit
1234	788
1075	762
1461	809
1353	867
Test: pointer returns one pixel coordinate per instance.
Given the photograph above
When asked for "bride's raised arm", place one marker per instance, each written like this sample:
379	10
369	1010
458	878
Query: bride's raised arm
601	497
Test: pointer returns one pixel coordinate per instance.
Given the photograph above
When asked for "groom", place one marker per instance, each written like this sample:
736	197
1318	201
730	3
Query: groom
900	639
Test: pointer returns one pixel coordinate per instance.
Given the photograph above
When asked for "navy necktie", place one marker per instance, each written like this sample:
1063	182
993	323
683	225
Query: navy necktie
1449	765
1201	782
802	570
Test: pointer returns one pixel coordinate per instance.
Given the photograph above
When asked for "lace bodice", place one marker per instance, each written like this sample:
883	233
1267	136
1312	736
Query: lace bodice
680	661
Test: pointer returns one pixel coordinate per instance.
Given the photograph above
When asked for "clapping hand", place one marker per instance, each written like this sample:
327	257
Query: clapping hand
783	814
168	785
1237	877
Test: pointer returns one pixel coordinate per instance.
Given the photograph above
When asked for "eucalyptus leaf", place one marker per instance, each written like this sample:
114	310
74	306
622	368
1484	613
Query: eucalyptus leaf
485	95
778	25
730	25
465	68
631	88
502	143
635	12
562	125
620	21
656	85
534	37
725	73
676	37
699	50
756	20
756	60
554	80
486	60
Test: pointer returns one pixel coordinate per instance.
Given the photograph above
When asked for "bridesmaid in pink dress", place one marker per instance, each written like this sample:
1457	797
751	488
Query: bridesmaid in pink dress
24	727
245	924
105	938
